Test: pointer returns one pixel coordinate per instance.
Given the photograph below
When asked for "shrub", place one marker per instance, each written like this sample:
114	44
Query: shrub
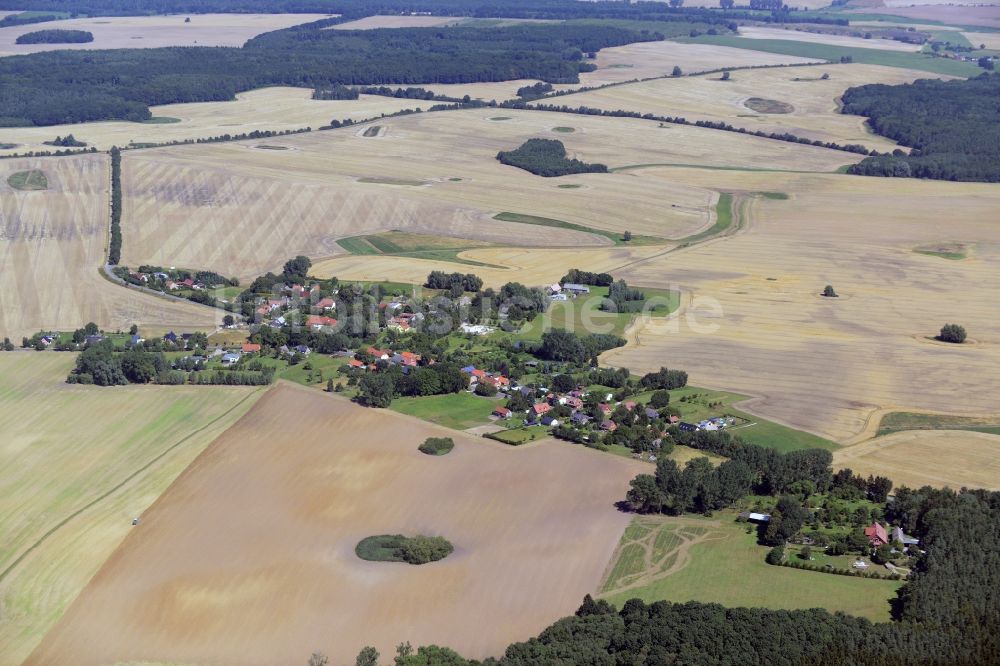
952	333
776	555
486	389
829	292
437	446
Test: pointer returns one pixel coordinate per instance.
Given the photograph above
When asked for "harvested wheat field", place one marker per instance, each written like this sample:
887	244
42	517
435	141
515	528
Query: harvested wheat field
824	365
815	106
990	40
953	458
275	109
147	32
644	60
974	12
373	22
531	266
71	483
52	245
755	32
249	557
426	173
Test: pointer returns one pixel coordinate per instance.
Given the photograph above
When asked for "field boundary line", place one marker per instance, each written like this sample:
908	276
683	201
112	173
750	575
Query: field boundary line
103	496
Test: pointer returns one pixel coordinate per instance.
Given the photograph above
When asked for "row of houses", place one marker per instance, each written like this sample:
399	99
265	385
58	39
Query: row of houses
402	359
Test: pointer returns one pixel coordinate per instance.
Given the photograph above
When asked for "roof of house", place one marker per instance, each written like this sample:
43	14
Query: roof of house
249	347
502	411
876	532
541	407
355	363
572	286
609	425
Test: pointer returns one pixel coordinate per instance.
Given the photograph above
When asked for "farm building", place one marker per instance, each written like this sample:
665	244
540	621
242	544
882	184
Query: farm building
576	289
877	535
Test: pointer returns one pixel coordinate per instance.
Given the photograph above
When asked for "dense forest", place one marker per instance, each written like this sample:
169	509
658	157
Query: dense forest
76	86
354	9
56	37
953	127
546	157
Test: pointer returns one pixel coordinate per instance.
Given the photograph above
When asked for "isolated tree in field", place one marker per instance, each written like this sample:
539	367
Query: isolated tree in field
627	236
826	76
677	71
228	320
133	330
329	386
725	76
297	267
776	555
952	333
318	659
829	292
367	657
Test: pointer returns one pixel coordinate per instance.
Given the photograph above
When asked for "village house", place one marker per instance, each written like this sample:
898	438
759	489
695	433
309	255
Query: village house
502	412
379	354
250	348
540	408
877	535
576	289
609	426
230	359
899	536
319	322
325	304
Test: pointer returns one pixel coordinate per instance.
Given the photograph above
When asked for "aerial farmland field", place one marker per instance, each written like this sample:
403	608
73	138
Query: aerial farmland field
72	483
206	587
146	32
814	100
764	330
434	174
52	245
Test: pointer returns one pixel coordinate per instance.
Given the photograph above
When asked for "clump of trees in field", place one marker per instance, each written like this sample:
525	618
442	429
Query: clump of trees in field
419	549
437	446
56	37
547	157
952	333
952	127
335	92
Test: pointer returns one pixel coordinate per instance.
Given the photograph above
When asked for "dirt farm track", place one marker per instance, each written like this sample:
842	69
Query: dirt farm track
248	557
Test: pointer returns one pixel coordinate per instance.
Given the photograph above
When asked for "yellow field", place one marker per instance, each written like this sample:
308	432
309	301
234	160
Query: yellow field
52	244
753	321
648	59
147	32
78	464
249	557
990	39
531	266
815	116
754	32
372	22
974	12
223	206
278	109
953	458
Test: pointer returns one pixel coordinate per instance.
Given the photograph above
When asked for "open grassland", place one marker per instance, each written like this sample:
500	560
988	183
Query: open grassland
52	244
277	109
953	458
816	109
221	205
249	556
752	320
147	32
716	561
648	59
78	463
870	56
757	32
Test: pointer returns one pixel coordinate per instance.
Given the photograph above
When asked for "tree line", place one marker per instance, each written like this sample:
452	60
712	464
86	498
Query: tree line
56	37
115	245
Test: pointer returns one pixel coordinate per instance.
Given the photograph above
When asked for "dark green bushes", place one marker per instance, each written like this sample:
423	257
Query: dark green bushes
546	157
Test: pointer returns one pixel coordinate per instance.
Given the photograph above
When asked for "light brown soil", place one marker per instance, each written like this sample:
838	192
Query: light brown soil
249	557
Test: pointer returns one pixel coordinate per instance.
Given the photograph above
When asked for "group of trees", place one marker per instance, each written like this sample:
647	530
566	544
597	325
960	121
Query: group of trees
563	345
576	276
74	86
335	92
624	298
952	127
664	378
456	283
56	37
380	388
546	157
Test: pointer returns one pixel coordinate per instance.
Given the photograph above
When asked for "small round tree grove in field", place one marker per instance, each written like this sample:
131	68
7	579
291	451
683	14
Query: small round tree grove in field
952	333
437	446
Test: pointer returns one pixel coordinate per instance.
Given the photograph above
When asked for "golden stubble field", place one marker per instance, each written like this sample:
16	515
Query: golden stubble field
648	59
147	32
52	245
222	206
816	101
77	464
825	365
249	557
275	109
757	32
954	458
